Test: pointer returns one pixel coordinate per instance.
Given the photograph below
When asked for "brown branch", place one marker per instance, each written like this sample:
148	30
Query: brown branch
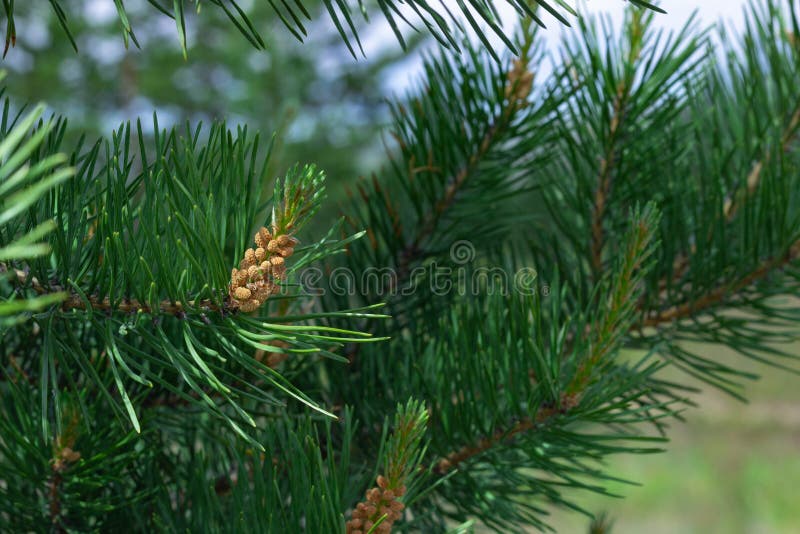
428	225
517	90
545	414
74	301
54	498
719	294
605	179
605	176
520	82
58	465
166	306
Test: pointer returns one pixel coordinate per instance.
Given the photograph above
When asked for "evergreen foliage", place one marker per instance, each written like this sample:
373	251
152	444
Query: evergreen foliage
485	325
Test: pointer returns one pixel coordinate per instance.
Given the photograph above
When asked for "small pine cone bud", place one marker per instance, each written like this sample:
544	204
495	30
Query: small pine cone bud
385	527
265	266
354	523
250	257
374	495
370	510
397	506
278	267
568	402
388	495
262	237
400	491
69	455
263	292
382	482
273	246
249	305
360	507
286	241
368	526
385	510
240	279
261	254
286	251
520	81
242	293
252	272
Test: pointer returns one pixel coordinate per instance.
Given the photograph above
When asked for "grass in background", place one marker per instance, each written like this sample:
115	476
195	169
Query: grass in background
731	468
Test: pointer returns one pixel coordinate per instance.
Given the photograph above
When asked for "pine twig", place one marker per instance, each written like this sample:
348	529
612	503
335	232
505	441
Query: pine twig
609	161
604	184
543	416
166	306
754	176
616	319
719	294
403	451
517	90
732	205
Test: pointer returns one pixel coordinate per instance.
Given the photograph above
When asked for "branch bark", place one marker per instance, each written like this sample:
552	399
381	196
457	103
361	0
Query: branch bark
74	301
604	180
719	294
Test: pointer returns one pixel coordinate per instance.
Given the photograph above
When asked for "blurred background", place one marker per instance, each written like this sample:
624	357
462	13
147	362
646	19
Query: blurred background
730	468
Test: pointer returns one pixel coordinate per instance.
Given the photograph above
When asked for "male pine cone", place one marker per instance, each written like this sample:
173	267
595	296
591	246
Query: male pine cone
380	509
259	271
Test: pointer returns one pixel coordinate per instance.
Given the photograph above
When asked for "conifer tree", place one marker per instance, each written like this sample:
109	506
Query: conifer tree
183	349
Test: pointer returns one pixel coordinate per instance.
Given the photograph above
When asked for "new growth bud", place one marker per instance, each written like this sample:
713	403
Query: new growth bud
520	83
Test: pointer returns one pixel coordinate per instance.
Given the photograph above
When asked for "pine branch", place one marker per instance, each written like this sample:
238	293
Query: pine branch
604	187
722	294
616	310
117	251
731	207
753	180
451	176
130	306
609	159
427	226
544	416
613	98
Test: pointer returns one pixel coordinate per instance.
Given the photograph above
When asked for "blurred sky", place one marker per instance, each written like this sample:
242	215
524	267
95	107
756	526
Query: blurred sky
678	12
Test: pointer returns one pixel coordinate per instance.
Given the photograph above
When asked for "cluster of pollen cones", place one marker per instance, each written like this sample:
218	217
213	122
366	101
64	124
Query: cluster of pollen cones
380	501
258	274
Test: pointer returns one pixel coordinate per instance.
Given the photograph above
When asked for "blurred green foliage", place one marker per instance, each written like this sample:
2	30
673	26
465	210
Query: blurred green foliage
326	106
